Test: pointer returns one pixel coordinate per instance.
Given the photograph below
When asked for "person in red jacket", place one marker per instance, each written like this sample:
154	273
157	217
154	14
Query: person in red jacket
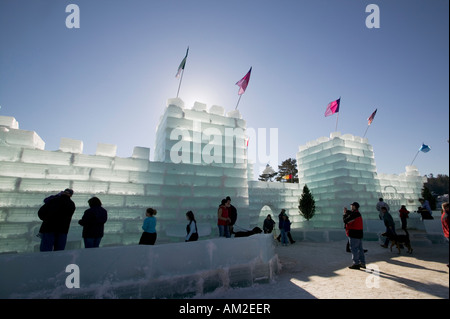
445	219
354	229
403	216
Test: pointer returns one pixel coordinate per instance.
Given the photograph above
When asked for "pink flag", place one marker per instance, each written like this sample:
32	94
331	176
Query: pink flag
333	107
370	119
243	83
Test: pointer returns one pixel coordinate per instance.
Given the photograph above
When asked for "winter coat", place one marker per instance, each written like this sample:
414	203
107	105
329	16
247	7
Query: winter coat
403	213
93	222
287	225
56	215
353	224
445	222
388	220
268	225
232	213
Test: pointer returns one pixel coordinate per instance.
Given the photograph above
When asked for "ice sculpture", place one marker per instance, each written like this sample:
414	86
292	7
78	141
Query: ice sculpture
200	158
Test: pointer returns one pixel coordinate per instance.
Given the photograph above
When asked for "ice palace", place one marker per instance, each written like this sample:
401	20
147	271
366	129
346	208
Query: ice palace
338	170
200	157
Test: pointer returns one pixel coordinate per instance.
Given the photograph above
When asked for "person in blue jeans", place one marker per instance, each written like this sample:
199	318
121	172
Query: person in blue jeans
56	215
354	229
93	222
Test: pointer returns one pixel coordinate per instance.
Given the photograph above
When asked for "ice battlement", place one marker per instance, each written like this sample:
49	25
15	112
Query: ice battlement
11	135
201	107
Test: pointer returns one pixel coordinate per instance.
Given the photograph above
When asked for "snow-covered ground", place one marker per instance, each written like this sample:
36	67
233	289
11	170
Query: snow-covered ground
320	270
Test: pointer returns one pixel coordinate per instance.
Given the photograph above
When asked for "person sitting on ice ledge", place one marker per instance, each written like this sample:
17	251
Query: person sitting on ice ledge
425	209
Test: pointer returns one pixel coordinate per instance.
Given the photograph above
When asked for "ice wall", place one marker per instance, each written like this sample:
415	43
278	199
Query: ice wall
402	189
276	196
126	187
341	169
162	271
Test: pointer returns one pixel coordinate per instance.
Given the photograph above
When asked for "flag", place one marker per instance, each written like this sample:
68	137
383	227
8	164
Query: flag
370	119
424	148
243	83
246	141
287	176
333	107
182	64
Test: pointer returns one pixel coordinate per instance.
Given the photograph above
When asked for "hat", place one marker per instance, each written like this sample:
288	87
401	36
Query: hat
68	191
355	204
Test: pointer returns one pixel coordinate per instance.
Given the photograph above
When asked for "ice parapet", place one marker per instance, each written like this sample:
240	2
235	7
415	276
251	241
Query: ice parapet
165	271
28	139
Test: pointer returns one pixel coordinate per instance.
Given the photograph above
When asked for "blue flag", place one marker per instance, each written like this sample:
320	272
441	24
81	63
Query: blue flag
424	148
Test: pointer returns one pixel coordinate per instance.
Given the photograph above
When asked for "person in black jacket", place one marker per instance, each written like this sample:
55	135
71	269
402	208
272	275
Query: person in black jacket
93	222
268	225
191	228
232	213
56	215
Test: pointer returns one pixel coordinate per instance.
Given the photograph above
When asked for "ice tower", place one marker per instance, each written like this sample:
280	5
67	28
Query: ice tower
198	136
341	169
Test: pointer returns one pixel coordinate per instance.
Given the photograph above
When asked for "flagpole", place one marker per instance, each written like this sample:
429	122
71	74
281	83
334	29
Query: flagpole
238	101
366	131
414	158
337	118
181	79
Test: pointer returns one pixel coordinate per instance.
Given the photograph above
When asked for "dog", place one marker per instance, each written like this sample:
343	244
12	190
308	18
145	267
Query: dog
254	231
400	240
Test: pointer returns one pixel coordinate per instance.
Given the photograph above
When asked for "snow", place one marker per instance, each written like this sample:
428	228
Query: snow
319	270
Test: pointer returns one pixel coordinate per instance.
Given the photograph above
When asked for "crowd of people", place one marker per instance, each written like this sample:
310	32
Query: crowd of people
354	226
57	211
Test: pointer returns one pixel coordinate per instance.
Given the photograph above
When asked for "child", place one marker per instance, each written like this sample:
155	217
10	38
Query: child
191	228
403	215
149	235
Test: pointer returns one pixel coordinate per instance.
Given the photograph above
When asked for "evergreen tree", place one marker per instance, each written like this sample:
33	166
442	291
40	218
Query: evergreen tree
438	185
307	204
288	168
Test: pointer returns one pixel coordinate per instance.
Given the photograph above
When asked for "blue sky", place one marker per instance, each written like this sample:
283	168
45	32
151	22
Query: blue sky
109	80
